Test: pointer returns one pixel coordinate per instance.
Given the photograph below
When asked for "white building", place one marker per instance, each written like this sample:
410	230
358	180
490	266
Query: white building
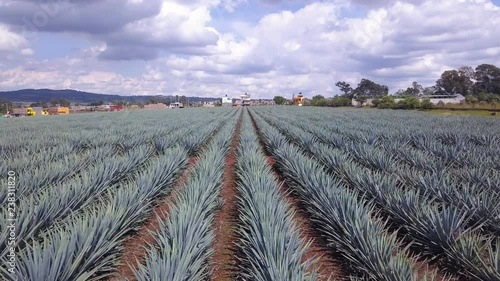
176	105
435	99
227	101
245	99
454	99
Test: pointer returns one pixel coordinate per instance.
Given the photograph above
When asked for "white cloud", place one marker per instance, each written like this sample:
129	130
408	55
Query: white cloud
10	41
27	52
287	52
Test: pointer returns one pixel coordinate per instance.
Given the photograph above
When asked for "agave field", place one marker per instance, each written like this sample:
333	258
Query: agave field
259	193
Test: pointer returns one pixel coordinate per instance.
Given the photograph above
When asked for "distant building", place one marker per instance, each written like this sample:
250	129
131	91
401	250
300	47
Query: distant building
155	106
177	105
115	107
453	99
18	112
58	110
245	99
435	99
227	101
208	104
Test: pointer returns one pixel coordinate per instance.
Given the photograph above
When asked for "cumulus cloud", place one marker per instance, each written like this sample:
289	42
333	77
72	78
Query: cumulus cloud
175	27
305	50
94	17
10	41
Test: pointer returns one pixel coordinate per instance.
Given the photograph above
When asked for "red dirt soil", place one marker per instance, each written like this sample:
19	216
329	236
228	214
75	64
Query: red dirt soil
328	267
423	265
223	259
135	248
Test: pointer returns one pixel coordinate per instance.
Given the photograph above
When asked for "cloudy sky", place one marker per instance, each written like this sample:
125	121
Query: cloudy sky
218	47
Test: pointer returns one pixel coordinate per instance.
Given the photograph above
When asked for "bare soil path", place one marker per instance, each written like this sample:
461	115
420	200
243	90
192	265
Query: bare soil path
329	264
223	260
135	248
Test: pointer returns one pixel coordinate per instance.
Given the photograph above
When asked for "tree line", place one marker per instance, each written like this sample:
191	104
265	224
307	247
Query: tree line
476	84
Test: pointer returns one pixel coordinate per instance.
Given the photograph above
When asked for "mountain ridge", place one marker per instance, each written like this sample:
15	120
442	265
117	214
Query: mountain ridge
76	96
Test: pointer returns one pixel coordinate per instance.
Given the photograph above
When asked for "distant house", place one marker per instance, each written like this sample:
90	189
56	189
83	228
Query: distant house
368	102
435	99
227	101
245	99
208	104
104	107
453	99
177	105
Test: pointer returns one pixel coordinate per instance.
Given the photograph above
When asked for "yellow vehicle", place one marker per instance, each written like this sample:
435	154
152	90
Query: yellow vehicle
298	100
30	112
45	112
58	110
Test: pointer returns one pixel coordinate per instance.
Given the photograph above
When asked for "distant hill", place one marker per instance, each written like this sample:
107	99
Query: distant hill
41	95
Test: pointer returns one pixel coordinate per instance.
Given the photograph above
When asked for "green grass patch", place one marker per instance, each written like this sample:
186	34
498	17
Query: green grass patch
482	113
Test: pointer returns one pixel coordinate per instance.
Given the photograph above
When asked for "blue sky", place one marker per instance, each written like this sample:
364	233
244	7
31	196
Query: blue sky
226	47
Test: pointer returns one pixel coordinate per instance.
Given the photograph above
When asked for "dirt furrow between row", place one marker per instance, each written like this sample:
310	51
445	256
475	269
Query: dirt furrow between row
135	248
328	264
223	260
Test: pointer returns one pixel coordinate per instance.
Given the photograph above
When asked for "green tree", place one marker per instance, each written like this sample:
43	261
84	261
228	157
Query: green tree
97	103
426	103
376	102
487	78
370	89
345	88
40	104
455	82
184	100
319	100
418	90
386	102
339	101
428	91
408	103
279	100
400	93
64	102
54	102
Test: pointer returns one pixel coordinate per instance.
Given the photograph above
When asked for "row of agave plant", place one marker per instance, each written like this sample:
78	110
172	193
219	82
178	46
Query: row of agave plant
480	201
57	212
270	244
182	246
457	141
411	127
443	231
55	163
52	137
60	199
479	196
86	245
348	224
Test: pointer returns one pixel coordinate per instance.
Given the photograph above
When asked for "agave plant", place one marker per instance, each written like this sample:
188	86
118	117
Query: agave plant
185	237
269	240
346	223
